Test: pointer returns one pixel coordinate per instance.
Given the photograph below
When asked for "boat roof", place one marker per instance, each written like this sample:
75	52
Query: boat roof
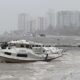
18	42
24	42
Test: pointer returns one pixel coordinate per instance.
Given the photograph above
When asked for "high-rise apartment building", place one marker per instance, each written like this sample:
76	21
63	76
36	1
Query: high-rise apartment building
68	19
23	22
51	19
41	23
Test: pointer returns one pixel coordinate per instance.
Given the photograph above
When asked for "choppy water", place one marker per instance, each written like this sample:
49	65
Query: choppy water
66	67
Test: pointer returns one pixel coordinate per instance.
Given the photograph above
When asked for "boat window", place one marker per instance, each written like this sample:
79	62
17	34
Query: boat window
46	46
43	50
43	45
22	45
32	45
17	45
7	53
22	55
37	45
49	45
27	46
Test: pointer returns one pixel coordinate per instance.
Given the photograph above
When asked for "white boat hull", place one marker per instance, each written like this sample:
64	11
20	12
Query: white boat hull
28	53
11	59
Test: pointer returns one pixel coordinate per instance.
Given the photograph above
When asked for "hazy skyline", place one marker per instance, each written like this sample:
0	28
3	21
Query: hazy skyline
9	10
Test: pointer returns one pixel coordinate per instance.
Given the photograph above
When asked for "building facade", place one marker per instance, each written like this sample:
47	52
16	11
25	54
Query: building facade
24	22
68	19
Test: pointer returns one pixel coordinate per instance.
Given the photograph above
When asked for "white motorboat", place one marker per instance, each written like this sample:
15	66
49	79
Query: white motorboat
23	51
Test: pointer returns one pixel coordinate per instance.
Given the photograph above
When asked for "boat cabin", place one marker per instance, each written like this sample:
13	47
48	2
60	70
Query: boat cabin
24	44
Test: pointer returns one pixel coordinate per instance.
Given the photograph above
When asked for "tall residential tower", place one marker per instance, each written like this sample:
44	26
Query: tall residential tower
23	22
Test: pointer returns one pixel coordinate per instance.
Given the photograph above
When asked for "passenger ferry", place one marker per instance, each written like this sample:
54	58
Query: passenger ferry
28	51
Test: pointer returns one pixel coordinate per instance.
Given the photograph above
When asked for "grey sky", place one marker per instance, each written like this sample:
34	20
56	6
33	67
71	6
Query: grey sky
9	9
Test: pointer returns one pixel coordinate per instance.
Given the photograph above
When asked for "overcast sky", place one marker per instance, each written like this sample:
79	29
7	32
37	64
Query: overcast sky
9	9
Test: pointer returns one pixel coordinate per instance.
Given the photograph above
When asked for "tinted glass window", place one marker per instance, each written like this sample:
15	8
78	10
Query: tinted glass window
27	46
22	45
22	55
7	53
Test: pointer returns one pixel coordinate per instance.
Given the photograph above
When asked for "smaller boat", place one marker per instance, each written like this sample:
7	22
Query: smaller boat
28	51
